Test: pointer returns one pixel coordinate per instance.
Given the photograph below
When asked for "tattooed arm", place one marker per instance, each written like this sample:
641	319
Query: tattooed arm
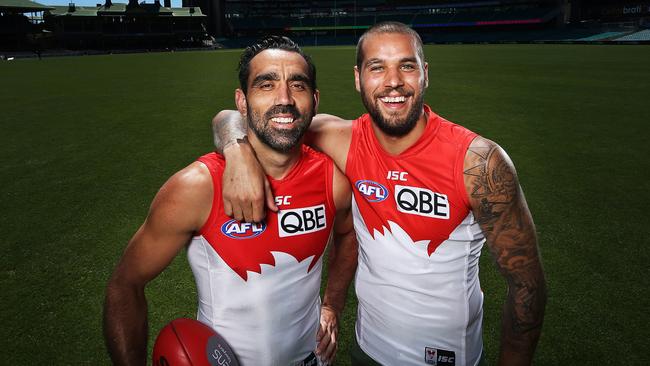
500	208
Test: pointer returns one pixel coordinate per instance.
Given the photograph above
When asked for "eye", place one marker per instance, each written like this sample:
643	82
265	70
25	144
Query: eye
408	67
266	86
376	68
298	86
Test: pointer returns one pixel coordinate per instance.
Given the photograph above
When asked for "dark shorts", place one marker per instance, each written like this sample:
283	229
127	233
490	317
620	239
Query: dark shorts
360	358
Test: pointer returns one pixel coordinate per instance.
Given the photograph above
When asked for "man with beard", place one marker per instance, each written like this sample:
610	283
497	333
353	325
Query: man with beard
427	195
258	284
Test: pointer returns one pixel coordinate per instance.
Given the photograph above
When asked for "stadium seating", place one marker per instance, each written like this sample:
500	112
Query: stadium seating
643	35
602	36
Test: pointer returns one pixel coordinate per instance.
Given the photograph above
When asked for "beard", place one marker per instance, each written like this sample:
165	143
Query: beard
281	140
391	124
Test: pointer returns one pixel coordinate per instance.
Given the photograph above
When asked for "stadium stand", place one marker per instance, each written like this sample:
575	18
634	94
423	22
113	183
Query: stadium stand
601	36
237	23
17	32
643	35
133	25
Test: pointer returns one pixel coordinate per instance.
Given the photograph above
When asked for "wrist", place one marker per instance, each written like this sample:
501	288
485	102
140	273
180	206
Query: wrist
332	308
235	142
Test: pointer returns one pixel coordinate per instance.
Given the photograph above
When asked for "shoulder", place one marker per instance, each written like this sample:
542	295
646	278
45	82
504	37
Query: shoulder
486	153
187	195
331	135
488	171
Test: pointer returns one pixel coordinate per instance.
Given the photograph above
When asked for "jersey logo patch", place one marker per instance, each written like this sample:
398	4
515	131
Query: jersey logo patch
371	191
242	230
421	201
439	357
300	221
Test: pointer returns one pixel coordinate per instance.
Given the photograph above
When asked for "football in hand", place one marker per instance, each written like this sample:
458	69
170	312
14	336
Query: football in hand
188	342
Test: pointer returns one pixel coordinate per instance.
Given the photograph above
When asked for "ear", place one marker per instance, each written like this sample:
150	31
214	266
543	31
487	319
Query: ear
426	74
357	82
316	100
240	101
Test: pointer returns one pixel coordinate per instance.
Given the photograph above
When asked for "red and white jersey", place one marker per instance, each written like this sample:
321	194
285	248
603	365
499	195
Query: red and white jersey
417	282
259	284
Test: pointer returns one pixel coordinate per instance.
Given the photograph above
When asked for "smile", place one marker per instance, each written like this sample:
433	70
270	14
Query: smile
282	120
398	99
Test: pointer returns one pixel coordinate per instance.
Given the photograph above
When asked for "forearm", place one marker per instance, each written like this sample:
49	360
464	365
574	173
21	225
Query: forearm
521	322
227	126
343	258
125	325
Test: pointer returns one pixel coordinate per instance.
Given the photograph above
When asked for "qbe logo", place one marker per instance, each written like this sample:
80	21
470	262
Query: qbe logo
242	230
371	191
299	221
421	201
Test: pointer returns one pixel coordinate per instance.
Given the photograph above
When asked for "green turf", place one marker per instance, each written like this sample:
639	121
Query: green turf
87	141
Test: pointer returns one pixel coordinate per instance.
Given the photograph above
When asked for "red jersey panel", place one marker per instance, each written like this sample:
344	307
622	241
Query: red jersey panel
301	228
421	189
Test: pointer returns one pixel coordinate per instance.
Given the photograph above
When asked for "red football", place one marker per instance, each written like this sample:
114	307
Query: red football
187	342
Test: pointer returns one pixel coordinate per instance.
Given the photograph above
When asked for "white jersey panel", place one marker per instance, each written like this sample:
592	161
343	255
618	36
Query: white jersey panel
410	301
259	335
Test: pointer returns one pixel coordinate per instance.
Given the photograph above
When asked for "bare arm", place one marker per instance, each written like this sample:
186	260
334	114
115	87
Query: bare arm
177	211
499	205
245	187
342	267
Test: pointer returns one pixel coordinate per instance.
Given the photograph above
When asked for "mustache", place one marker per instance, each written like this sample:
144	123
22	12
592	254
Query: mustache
282	109
386	92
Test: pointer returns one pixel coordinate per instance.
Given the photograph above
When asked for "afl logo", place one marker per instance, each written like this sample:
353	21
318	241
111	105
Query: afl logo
242	230
371	191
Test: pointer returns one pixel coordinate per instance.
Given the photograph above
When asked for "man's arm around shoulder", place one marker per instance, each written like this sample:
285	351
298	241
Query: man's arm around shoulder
179	210
499	206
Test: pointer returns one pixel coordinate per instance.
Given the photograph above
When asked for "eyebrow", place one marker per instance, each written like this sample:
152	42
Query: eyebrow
269	76
379	61
273	76
299	77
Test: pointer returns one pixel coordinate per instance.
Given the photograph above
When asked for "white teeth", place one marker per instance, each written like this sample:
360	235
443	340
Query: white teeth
282	119
399	99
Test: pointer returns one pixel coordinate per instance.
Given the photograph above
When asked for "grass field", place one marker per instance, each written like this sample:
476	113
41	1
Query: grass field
87	141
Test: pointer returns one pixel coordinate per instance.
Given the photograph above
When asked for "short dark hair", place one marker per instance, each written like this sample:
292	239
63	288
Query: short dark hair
272	42
389	27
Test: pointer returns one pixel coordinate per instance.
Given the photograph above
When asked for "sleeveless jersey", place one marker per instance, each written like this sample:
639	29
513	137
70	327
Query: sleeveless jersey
258	284
417	282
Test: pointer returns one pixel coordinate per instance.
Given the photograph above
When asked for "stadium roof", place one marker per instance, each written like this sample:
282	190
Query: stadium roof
122	9
22	6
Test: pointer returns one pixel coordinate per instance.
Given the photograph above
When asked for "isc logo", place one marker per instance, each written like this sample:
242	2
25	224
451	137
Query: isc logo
420	201
439	357
372	191
299	221
242	230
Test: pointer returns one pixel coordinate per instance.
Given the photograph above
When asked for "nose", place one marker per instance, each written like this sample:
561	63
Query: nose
393	78
283	95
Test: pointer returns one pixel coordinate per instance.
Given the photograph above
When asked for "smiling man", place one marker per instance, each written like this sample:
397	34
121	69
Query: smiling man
258	284
428	194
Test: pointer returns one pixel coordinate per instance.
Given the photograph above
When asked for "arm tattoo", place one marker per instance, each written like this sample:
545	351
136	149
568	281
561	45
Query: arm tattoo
227	128
500	209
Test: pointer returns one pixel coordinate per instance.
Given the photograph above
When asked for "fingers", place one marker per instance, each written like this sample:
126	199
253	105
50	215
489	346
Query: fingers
227	207
327	344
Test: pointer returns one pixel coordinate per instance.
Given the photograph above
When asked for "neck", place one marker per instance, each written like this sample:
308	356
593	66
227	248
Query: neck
275	164
396	145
